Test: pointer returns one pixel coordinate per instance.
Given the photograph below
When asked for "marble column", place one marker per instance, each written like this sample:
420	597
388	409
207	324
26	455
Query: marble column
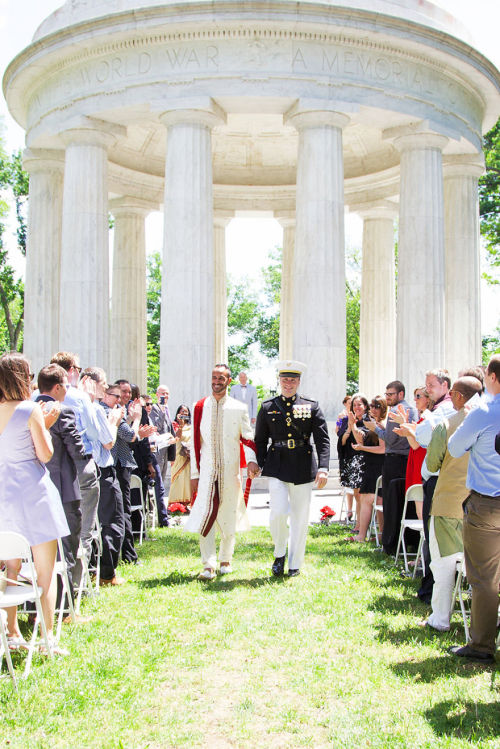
187	343
287	221
43	252
220	287
462	264
84	311
128	292
377	335
420	296
319	330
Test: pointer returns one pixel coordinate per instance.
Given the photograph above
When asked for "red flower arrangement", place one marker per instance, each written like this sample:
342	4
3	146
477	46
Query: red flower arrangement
177	508
327	514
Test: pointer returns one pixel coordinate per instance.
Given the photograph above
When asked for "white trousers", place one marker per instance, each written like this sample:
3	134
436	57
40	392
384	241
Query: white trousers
289	500
443	570
209	551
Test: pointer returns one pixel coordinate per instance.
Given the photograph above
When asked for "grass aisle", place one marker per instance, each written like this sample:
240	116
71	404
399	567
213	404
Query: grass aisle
333	658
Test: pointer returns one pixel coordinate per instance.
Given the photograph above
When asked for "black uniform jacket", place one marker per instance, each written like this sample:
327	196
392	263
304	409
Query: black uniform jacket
288	421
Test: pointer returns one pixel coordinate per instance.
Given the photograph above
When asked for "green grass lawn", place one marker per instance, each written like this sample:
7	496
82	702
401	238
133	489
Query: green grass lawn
333	658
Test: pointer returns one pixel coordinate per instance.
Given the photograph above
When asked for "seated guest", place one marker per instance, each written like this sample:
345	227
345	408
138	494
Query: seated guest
445	527
373	449
180	486
68	450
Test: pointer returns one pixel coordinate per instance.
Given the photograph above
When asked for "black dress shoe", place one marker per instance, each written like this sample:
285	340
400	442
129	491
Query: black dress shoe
278	567
473	655
293	573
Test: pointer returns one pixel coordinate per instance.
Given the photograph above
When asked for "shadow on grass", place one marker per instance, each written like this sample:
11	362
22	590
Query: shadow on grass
430	669
212	586
419	634
472	721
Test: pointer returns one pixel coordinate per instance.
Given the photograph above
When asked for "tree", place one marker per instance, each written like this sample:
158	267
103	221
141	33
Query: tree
14	183
353	302
153	313
489	201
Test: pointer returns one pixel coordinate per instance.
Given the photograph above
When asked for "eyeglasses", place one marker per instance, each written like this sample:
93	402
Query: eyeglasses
31	376
114	395
420	395
388	394
375	405
78	369
149	405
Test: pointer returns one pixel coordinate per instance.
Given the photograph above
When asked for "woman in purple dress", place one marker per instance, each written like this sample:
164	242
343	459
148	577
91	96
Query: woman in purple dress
29	501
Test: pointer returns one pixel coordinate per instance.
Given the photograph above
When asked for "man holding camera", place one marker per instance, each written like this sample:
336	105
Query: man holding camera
160	418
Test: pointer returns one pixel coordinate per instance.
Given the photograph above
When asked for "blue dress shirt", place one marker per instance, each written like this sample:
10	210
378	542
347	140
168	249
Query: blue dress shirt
477	435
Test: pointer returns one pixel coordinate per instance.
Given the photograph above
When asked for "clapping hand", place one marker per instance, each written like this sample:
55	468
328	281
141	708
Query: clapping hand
407	429
146	430
50	411
88	385
400	416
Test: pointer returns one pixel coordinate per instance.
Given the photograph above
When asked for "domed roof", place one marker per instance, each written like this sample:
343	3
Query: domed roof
418	11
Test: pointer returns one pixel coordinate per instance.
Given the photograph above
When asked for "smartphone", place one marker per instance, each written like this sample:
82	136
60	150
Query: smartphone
162	400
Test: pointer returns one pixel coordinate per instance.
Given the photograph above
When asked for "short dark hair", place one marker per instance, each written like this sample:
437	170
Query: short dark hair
467	386
477	372
52	374
363	399
14	377
223	366
65	359
494	366
95	373
122	382
397	385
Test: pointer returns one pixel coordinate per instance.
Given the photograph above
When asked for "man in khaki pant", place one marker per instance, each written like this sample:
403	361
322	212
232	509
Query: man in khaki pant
477	435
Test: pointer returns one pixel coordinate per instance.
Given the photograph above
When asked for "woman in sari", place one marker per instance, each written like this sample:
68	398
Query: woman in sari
180	484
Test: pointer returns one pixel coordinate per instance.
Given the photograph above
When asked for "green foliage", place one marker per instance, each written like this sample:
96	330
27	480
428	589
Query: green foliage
153	311
491	345
489	202
253	316
14	183
353	301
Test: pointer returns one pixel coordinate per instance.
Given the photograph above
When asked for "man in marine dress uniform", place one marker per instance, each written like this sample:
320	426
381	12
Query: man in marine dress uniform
288	420
221	429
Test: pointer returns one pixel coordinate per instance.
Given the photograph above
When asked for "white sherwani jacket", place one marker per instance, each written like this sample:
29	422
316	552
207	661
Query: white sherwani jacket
222	424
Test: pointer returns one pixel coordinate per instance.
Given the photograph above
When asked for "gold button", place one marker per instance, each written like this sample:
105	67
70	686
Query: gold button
288	413
288	404
289	435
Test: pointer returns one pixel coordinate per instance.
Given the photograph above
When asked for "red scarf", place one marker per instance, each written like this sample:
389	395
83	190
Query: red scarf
197	414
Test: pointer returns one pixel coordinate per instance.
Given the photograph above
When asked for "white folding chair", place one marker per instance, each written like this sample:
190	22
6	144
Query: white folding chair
4	647
343	507
136	483
151	508
414	493
15	546
462	595
61	569
376	508
85	585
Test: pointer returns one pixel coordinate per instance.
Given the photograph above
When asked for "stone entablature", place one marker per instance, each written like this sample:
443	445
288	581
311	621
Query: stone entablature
292	109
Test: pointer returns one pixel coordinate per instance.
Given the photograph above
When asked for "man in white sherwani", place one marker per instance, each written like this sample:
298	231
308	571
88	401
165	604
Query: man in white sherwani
221	428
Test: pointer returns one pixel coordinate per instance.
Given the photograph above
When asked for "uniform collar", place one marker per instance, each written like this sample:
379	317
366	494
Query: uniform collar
292	399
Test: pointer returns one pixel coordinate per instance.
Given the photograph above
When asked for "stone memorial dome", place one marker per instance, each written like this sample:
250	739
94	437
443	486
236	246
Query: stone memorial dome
213	108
